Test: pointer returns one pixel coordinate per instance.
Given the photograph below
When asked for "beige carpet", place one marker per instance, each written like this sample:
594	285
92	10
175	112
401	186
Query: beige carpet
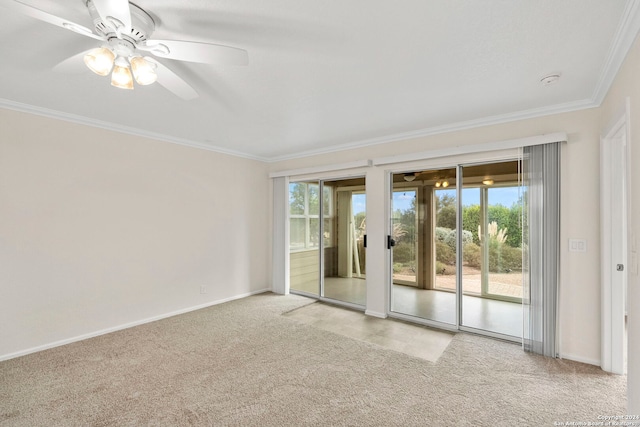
243	363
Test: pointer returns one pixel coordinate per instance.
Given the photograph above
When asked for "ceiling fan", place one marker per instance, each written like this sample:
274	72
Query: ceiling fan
125	30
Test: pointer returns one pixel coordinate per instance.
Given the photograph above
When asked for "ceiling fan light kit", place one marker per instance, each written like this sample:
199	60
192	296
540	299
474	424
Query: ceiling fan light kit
124	29
100	61
121	76
122	47
143	71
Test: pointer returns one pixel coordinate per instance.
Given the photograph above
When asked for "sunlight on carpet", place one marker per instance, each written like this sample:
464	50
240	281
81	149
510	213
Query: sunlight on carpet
412	340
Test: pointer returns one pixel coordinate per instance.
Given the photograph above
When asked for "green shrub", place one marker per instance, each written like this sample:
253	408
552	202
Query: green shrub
512	258
442	233
508	259
404	252
446	270
471	255
445	254
397	267
503	258
450	240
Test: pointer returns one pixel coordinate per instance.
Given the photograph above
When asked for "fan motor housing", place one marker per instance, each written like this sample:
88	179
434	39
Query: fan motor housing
142	25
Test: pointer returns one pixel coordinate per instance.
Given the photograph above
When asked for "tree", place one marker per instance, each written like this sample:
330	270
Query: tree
514	225
471	221
499	214
297	194
444	199
314	199
446	217
408	221
445	210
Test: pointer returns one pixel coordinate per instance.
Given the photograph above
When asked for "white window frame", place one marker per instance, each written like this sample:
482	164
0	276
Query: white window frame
308	216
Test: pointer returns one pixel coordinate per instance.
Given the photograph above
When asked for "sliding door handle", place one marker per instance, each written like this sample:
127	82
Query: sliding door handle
390	242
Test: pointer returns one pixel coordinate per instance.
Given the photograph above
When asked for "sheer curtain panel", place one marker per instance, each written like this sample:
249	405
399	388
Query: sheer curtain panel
541	229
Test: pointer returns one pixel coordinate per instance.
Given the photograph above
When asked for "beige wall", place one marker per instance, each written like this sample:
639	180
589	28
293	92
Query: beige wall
627	85
99	229
580	280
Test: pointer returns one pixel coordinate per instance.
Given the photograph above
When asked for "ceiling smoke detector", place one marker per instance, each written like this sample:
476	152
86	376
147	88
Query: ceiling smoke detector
550	79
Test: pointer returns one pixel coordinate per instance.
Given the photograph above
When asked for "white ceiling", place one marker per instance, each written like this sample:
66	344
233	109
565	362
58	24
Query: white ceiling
331	74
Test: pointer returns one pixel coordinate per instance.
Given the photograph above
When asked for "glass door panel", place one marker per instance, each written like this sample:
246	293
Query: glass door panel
445	237
304	237
504	231
404	232
492	248
423	224
358	206
471	244
344	222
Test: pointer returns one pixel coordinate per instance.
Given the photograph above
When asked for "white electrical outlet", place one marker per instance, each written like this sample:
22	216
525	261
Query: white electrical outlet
203	289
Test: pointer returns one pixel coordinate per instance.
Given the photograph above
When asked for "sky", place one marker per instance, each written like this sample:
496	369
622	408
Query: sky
358	201
505	196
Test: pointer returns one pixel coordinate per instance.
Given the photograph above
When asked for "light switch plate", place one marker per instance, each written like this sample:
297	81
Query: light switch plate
577	245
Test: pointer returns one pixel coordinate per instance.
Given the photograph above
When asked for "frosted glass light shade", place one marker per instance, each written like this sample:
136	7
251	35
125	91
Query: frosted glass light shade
143	71
121	77
100	61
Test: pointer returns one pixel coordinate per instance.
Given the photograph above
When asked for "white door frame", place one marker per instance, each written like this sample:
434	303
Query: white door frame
614	197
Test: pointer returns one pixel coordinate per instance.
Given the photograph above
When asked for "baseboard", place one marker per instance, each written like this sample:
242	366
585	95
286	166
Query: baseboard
375	314
580	359
126	326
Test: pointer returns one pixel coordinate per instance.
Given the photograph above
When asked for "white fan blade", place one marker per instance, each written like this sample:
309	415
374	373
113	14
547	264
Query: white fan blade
72	65
115	13
172	82
196	52
52	19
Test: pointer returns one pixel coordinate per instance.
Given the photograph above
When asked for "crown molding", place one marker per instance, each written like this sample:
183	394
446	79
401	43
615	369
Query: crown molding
624	37
620	46
86	121
436	130
453	127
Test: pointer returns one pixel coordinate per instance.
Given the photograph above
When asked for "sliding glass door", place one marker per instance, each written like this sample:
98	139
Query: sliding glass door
304	237
327	239
423	245
343	277
492	280
404	231
457	247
